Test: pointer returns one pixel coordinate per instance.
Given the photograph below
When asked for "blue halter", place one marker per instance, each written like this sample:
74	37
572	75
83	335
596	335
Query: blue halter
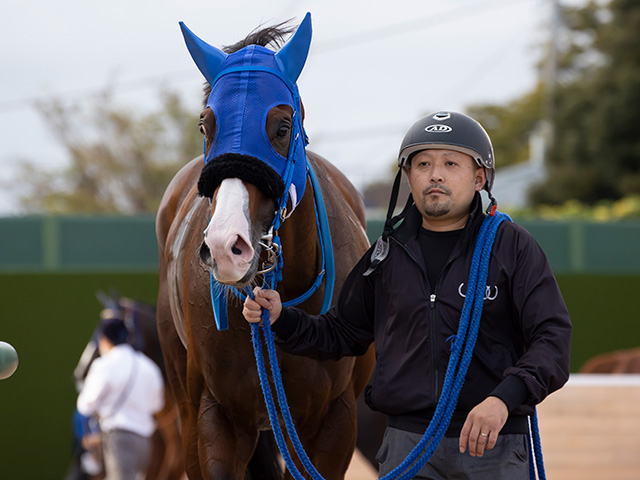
245	86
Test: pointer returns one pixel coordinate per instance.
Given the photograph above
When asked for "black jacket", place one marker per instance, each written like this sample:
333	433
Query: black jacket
522	351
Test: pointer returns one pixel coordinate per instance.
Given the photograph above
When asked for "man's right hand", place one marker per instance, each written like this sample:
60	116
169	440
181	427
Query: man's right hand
268	299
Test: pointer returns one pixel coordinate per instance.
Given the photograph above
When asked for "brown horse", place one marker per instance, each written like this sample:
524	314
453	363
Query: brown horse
619	361
213	372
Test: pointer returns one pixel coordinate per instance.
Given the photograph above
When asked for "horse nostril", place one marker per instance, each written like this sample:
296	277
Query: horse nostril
240	247
205	253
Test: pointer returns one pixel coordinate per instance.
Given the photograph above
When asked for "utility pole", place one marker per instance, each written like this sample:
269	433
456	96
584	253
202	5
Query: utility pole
551	73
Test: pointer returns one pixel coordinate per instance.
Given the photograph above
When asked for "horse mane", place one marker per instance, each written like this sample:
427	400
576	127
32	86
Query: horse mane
272	36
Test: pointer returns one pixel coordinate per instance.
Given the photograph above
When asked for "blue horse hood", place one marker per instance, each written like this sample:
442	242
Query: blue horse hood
245	86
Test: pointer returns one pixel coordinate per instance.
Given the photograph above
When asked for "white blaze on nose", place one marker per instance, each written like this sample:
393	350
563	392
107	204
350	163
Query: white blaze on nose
228	234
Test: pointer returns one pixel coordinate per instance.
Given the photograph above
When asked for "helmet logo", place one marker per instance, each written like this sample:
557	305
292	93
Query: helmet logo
442	116
438	128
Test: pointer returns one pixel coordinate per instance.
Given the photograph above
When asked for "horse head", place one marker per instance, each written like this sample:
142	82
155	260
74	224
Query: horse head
254	145
140	321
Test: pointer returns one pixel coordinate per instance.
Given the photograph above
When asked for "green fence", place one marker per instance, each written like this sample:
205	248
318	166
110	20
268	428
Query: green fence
128	244
50	269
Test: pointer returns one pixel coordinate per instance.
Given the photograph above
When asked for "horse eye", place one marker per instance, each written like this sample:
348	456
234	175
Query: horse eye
201	127
283	131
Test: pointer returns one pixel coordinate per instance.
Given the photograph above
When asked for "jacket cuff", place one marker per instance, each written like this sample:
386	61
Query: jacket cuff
285	325
512	391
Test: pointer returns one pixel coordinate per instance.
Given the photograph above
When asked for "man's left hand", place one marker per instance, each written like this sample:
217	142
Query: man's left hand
482	426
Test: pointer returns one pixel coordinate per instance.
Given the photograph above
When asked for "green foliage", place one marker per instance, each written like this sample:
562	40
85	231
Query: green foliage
120	160
602	211
510	126
596	154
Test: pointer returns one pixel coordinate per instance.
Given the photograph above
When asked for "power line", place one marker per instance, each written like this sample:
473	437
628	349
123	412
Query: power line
131	85
330	45
410	26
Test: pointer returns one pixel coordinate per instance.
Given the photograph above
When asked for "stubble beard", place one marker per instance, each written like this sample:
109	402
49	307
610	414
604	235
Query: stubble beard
437	209
434	208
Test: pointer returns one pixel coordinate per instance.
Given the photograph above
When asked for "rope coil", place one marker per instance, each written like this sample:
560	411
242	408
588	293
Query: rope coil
461	353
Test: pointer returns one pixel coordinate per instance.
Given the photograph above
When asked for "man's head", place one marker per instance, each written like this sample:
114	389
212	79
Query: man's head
114	330
448	157
451	131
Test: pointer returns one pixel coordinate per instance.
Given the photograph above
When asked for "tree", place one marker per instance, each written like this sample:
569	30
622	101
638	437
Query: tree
596	153
510	126
120	160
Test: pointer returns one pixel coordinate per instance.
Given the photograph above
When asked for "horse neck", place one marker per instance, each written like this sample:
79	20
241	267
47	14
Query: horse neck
300	248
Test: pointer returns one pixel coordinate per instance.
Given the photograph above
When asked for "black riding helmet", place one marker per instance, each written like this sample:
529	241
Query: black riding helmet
451	131
443	130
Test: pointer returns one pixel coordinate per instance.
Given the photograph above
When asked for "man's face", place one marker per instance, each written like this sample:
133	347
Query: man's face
443	184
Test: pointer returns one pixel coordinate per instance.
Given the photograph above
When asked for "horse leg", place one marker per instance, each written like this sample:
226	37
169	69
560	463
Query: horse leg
176	368
331	449
168	421
225	447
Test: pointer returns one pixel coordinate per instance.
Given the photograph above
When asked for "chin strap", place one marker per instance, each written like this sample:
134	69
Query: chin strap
382	244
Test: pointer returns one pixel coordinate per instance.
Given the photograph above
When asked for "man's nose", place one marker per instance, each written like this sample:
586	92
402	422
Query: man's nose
436	174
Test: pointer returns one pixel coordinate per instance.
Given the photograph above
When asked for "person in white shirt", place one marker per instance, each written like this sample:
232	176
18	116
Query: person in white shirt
124	388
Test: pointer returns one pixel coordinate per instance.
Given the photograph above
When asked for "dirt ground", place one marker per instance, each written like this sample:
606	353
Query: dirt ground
360	469
589	430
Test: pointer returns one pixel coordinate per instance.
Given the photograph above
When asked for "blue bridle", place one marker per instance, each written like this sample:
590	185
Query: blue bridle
245	86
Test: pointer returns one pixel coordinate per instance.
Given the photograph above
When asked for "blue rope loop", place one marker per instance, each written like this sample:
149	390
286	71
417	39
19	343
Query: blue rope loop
457	368
462	350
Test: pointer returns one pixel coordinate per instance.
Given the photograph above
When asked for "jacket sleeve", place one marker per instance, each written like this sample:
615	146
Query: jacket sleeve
345	330
545	325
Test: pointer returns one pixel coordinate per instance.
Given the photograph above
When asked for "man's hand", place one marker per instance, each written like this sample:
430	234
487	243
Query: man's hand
268	299
482	426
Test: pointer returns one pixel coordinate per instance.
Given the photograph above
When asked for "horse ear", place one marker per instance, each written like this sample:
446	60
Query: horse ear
292	56
208	58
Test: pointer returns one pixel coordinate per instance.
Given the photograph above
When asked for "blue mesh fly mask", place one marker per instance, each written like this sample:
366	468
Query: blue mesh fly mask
245	86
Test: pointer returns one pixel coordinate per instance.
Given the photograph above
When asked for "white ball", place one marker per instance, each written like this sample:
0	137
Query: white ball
8	360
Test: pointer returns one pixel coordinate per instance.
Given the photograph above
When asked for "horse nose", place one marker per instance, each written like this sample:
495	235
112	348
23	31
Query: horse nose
228	253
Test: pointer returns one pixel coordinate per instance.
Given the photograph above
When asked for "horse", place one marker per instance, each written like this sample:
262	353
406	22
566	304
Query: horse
166	455
214	235
618	361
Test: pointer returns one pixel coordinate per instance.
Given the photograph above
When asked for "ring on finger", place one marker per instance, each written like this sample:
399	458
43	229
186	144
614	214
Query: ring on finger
484	434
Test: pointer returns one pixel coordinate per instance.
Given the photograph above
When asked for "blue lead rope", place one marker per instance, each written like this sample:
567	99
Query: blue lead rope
459	361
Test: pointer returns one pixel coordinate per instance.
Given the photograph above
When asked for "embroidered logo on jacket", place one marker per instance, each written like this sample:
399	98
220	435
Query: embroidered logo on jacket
490	293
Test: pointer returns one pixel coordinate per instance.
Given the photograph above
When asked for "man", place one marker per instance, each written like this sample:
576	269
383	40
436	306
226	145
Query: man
409	299
124	388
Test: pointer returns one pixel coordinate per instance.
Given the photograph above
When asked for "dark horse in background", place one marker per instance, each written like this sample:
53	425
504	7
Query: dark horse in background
140	318
213	372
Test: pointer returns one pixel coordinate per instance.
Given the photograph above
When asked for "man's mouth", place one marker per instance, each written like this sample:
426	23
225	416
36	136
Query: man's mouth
436	191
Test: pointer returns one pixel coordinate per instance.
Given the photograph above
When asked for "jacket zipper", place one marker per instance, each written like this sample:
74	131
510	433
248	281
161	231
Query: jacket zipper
433	326
434	346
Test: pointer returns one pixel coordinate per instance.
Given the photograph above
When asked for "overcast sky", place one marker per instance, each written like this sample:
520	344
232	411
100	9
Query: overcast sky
373	69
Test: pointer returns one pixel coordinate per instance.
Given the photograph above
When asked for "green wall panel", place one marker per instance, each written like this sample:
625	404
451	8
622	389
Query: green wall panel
49	318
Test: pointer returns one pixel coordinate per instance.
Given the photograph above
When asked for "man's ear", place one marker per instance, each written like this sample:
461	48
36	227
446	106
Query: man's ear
481	178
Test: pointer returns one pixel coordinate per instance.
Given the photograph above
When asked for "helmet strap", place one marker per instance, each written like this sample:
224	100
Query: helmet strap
493	205
391	221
